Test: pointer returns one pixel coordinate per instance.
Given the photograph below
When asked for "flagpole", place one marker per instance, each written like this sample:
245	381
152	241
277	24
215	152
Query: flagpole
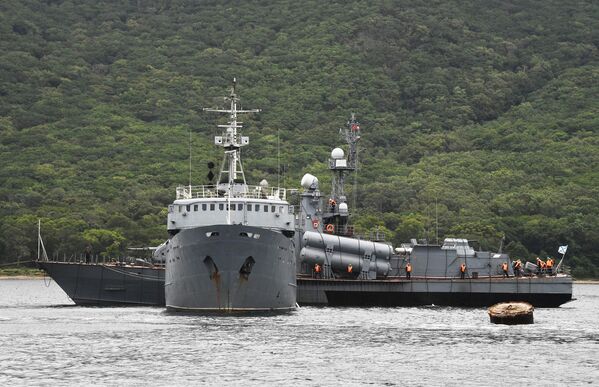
561	260
39	236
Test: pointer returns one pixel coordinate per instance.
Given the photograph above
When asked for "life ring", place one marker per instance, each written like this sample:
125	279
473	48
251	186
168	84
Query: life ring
330	228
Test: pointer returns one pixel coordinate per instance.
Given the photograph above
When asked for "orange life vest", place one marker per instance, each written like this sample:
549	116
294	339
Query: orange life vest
463	268
504	266
350	268
550	263
317	268
408	268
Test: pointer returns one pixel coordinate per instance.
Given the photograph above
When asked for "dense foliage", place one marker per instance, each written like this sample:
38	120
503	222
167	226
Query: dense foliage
480	118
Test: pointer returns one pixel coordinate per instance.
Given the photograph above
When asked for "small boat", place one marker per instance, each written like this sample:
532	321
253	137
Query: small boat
511	313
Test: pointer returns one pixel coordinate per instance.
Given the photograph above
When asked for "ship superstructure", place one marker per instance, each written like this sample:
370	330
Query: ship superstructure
231	246
326	236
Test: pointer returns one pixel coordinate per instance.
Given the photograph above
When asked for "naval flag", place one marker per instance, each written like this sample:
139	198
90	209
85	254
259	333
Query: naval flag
562	249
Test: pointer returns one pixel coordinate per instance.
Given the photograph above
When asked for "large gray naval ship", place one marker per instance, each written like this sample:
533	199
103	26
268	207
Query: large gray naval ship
231	245
222	263
338	268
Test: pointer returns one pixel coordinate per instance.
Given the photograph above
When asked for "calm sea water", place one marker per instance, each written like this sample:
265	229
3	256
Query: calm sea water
45	339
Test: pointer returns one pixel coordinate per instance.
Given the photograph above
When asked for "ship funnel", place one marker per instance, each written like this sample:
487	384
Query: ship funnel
309	182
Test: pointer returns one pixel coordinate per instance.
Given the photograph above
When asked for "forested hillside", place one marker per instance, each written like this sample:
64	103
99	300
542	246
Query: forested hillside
480	118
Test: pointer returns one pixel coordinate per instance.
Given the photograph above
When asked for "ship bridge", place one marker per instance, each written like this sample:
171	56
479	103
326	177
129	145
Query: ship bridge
259	206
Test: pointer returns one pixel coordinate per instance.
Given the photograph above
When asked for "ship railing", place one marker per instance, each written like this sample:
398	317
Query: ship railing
377	235
101	259
345	230
249	192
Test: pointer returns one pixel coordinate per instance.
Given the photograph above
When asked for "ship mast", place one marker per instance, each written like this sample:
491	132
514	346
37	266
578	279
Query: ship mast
231	178
351	135
336	216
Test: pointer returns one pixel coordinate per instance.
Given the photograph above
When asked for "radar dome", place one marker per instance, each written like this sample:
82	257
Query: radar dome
264	183
337	154
343	210
309	181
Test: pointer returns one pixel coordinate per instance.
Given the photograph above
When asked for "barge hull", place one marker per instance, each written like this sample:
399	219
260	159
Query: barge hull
540	292
106	285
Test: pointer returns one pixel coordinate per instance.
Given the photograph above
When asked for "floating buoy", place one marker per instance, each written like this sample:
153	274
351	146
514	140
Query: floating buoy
511	313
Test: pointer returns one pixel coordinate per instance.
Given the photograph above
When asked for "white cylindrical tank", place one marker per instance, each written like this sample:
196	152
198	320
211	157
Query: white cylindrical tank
340	260
343	210
350	245
309	181
337	154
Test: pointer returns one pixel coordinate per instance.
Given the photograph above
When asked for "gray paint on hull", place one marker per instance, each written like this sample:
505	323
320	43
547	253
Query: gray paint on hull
542	291
103	284
192	283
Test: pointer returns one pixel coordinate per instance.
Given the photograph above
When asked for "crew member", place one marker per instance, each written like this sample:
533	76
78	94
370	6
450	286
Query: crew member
350	268
317	270
549	266
540	265
408	270
332	203
462	270
517	268
504	267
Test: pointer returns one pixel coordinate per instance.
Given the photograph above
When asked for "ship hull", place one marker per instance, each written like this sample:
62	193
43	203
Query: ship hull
107	284
230	268
542	292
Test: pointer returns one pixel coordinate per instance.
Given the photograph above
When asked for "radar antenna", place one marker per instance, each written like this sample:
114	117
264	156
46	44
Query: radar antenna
352	135
336	216
231	172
